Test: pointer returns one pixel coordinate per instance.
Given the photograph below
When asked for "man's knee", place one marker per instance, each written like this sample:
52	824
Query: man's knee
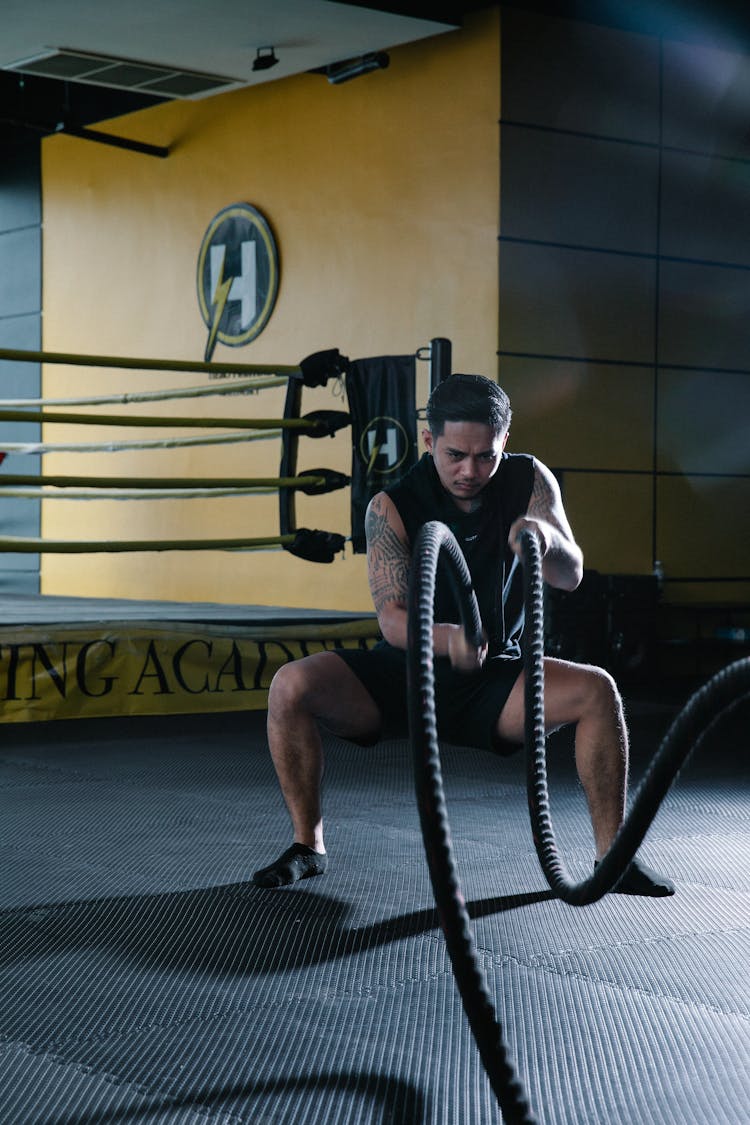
290	686
600	692
324	688
573	691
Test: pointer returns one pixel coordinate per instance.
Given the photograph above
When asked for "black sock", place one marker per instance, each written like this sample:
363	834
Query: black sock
637	879
297	862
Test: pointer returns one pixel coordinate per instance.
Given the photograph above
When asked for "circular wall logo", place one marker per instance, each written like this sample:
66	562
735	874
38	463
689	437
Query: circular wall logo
237	277
383	446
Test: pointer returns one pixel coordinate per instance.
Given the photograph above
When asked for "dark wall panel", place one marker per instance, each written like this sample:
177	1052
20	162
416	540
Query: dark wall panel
20	380
20	199
579	190
625	237
706	208
20	272
549	420
704	316
561	302
706	99
20	328
700	530
704	423
570	75
618	541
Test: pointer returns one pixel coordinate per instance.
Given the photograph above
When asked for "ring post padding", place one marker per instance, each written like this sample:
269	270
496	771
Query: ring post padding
441	352
288	464
454	918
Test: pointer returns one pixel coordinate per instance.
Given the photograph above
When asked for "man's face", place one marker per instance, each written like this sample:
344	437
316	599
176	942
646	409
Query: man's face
465	456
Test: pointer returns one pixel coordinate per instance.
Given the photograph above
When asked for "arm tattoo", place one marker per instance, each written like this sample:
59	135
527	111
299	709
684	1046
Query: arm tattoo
563	556
387	558
542	502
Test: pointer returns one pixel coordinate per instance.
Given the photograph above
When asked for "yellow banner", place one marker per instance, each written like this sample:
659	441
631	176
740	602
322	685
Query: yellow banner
68	671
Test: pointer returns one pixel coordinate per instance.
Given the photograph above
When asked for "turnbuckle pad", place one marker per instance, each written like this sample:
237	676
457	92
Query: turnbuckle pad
325	423
331	481
319	367
316	546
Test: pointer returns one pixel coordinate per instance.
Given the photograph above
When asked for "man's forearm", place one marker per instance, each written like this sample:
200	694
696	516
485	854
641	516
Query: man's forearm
562	565
562	558
393	621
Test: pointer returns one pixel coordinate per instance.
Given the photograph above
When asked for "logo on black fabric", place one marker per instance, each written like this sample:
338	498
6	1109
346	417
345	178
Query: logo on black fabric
237	277
383	446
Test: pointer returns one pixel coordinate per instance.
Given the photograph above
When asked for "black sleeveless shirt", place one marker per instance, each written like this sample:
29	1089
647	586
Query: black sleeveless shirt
483	538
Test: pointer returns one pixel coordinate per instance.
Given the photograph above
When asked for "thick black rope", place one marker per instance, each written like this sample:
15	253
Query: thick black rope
454	918
704	708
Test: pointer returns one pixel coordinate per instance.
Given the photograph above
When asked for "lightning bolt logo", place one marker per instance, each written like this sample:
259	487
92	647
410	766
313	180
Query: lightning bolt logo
218	304
373	457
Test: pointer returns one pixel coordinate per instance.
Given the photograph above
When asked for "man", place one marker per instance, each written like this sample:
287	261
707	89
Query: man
486	496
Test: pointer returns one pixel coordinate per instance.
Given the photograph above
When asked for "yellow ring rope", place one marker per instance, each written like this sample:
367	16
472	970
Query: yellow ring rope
70	358
51	417
32	545
241	386
120	446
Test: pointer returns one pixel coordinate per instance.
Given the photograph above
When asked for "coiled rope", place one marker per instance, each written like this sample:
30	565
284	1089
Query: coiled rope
702	710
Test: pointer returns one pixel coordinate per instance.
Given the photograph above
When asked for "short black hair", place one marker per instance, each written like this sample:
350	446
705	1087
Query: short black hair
468	398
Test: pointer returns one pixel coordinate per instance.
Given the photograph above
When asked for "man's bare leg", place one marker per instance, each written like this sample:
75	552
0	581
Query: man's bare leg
317	689
588	697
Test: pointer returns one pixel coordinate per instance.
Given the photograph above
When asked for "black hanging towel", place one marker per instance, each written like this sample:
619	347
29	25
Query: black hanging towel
382	404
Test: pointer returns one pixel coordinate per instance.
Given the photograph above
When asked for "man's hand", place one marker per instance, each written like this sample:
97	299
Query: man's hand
562	561
540	527
464	656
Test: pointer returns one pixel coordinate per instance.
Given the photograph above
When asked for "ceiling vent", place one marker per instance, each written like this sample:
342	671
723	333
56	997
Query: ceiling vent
123	74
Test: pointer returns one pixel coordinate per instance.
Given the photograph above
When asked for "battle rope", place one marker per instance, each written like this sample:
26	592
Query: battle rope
702	710
705	707
454	918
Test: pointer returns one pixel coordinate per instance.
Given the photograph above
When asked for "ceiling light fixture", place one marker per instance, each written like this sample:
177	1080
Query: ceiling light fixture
339	72
264	61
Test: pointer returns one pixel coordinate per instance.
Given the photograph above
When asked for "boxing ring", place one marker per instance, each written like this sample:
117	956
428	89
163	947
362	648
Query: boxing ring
69	656
64	657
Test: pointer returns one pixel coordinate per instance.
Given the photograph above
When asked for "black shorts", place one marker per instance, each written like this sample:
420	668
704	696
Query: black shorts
467	705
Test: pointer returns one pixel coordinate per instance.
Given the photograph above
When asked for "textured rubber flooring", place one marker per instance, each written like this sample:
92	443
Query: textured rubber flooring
143	979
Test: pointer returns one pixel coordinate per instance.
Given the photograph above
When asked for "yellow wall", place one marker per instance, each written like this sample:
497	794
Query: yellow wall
382	194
